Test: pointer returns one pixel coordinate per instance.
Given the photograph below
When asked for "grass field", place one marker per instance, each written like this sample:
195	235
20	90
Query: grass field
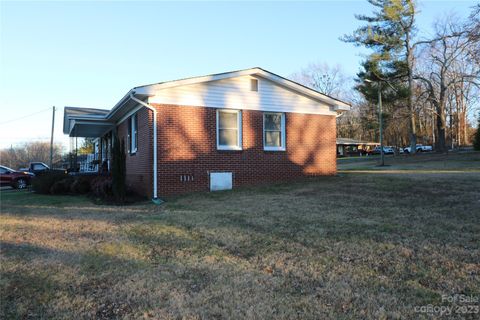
358	245
467	161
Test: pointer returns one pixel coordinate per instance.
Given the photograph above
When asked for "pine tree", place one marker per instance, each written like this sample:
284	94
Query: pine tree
393	92
389	33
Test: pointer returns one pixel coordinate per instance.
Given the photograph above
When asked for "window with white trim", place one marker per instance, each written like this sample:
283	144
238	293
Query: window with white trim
273	131
229	129
133	133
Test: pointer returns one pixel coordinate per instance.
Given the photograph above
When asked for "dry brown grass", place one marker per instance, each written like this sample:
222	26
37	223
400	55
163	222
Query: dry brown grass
347	247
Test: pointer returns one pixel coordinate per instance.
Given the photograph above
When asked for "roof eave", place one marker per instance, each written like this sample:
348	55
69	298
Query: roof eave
341	108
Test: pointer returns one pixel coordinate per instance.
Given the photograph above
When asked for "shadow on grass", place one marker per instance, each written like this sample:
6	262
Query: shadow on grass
45	277
319	247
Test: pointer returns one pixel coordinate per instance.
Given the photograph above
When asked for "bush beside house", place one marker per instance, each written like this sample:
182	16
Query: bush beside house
119	171
81	185
101	187
110	189
98	187
44	183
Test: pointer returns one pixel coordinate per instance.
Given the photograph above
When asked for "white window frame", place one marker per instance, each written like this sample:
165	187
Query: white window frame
282	134
133	133
239	128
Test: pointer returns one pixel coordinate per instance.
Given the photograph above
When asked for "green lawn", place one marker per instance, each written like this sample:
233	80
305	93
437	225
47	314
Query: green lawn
347	247
467	161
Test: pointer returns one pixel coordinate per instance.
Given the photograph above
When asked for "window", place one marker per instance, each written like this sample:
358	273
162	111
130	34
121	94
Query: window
39	167
274	131
229	130
253	85
133	133
3	170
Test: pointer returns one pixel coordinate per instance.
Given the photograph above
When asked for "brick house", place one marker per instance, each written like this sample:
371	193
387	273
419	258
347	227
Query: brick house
215	132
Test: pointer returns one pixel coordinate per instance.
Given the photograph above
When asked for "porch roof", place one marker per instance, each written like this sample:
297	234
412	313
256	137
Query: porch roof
89	129
85	122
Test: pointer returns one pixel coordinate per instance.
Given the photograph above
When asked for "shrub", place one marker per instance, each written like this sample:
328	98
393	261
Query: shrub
44	182
119	171
81	185
61	186
101	187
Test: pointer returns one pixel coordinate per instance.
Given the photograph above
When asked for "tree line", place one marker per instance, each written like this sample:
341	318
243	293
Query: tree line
430	86
19	156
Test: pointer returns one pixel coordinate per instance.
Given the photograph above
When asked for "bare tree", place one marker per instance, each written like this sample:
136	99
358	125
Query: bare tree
21	156
326	79
332	81
448	63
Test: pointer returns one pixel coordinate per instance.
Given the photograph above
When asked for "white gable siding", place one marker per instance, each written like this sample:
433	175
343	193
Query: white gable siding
235	93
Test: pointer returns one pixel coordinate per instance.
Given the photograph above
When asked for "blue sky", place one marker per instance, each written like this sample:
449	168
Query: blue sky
89	54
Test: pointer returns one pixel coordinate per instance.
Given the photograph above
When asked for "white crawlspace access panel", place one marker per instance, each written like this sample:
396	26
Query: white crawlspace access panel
220	181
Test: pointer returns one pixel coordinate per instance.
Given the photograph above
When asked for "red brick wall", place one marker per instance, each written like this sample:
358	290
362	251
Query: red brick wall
187	147
139	165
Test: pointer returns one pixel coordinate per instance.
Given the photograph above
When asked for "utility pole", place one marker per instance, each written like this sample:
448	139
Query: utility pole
51	137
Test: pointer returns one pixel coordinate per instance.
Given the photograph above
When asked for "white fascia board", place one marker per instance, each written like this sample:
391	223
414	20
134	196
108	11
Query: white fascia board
72	119
88	117
119	104
271	109
124	101
129	114
341	108
72	124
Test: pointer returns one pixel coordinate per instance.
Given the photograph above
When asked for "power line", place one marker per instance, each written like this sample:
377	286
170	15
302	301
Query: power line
32	114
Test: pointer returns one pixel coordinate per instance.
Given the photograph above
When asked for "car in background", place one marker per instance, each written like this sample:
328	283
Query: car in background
39	168
426	148
377	150
15	179
419	148
388	150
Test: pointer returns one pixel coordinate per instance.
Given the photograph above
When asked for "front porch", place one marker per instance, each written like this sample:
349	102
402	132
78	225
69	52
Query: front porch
350	147
98	162
89	123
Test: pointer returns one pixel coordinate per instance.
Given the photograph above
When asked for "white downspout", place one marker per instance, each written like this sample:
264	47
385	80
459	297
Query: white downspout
146	105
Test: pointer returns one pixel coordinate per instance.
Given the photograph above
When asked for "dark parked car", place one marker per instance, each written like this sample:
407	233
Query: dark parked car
39	168
13	178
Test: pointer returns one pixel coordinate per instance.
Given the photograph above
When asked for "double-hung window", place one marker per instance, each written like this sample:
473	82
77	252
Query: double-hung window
133	133
274	131
229	129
